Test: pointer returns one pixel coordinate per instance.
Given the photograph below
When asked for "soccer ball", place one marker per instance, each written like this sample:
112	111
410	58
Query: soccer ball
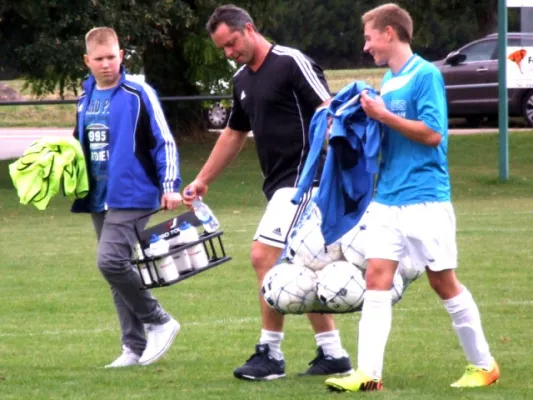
353	246
409	271
306	245
289	288
397	288
341	287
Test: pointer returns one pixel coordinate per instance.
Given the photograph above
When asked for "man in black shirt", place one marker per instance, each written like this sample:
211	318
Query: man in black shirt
275	94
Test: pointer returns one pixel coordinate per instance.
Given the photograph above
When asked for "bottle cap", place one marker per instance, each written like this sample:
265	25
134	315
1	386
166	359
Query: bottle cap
184	225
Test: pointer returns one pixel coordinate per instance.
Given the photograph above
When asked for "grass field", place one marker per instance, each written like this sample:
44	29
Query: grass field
59	327
63	116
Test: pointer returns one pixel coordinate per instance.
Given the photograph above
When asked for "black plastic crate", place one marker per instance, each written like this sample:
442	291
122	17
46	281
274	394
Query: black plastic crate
212	243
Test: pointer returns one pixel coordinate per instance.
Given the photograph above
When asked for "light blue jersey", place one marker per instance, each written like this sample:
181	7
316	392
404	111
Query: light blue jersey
411	172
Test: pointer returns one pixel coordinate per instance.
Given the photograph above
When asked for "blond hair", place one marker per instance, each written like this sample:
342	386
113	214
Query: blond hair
100	35
394	16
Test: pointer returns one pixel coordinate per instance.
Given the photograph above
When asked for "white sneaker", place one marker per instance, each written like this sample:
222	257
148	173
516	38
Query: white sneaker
126	359
158	341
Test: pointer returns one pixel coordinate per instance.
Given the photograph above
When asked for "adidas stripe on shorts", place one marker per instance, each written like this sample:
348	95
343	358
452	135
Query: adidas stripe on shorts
281	216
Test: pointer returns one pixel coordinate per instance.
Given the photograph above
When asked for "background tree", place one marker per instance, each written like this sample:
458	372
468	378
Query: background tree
330	31
167	40
164	38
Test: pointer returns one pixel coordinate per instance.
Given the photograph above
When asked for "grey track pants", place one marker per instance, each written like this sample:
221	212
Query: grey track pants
135	307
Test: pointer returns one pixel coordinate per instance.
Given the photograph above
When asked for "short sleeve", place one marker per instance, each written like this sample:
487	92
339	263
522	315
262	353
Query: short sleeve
430	100
309	80
238	120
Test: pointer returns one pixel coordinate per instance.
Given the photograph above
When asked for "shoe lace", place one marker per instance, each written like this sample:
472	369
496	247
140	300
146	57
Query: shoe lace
152	327
316	360
126	351
253	357
259	354
471	369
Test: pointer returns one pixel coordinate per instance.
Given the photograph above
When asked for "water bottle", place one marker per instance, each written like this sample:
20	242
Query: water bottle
181	258
165	265
145	274
173	233
196	253
183	262
205	215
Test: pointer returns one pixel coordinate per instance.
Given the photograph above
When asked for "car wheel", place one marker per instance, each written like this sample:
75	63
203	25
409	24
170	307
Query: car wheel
527	107
217	116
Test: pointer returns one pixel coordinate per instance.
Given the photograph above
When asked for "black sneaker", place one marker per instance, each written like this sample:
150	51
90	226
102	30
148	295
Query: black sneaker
260	366
327	365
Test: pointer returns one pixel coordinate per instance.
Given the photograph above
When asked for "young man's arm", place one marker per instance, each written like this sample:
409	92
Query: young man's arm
430	99
417	131
165	152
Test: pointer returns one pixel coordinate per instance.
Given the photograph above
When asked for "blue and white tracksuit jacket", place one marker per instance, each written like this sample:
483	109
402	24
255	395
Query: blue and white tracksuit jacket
143	156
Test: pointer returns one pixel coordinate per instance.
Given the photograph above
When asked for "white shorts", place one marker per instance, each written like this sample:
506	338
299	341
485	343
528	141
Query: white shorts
425	233
281	216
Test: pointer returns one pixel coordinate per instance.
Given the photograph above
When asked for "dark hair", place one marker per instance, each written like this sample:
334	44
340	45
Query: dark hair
234	17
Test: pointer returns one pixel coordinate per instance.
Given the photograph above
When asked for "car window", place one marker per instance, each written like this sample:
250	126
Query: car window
480	51
519	42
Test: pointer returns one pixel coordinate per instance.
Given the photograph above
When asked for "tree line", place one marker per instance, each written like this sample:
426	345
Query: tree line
166	39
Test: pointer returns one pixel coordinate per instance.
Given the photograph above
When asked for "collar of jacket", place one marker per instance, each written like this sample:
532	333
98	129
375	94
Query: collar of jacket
90	83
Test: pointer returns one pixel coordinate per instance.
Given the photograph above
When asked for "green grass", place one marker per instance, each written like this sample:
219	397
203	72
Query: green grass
43	116
59	327
64	116
337	79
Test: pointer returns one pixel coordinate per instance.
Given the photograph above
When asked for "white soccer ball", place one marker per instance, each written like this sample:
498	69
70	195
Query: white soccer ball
353	246
289	288
409	270
306	245
341	286
397	288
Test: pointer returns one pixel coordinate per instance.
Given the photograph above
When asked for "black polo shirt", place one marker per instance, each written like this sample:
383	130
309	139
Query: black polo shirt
277	103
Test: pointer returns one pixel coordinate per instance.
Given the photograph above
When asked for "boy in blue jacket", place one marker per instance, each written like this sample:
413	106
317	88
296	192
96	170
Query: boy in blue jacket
133	167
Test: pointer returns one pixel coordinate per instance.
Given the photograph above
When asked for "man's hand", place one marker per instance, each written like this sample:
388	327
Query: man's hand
374	107
194	190
171	200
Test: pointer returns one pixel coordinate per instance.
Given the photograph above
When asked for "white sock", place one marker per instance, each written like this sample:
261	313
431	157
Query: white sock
374	328
331	344
467	324
273	339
